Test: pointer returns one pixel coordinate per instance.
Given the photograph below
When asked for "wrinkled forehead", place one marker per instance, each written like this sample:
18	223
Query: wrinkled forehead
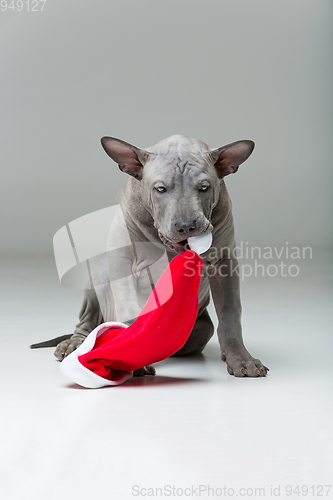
175	165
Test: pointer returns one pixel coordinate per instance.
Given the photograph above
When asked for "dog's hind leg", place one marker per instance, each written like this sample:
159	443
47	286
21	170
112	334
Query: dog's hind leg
97	307
90	316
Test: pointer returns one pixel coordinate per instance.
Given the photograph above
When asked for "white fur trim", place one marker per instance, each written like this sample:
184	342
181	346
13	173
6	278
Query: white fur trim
73	370
200	244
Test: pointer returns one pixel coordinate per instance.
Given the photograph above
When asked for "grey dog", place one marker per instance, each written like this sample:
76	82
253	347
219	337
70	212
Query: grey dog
174	190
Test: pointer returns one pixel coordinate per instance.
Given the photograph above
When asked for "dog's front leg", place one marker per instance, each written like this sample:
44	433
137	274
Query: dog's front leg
125	294
124	290
224	282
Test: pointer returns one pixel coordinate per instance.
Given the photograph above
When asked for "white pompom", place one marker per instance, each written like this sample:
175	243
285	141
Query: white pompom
200	244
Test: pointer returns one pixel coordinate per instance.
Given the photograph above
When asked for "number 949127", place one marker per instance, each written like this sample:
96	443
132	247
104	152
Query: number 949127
23	5
313	491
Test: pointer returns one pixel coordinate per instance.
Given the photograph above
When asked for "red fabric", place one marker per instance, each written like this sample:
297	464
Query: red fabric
159	331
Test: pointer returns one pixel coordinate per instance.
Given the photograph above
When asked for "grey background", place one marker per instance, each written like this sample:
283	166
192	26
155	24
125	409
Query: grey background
217	70
141	70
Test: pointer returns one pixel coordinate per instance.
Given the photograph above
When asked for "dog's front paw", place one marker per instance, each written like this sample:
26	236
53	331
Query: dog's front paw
67	346
146	370
243	364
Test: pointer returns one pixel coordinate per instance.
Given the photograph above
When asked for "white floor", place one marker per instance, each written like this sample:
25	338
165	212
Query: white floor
192	424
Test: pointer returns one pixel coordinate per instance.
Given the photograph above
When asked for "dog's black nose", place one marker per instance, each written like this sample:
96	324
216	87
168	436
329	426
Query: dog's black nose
186	226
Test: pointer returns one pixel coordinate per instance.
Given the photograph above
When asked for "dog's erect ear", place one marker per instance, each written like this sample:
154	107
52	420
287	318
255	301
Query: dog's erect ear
228	158
130	159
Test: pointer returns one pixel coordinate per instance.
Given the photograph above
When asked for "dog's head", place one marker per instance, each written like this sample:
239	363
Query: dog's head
180	181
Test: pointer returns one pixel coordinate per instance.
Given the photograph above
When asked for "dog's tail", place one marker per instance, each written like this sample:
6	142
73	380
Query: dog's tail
52	342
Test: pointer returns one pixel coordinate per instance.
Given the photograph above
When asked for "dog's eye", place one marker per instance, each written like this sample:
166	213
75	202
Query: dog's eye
160	189
204	187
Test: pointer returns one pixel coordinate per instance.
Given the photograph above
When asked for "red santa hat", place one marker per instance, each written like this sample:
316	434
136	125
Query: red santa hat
111	352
